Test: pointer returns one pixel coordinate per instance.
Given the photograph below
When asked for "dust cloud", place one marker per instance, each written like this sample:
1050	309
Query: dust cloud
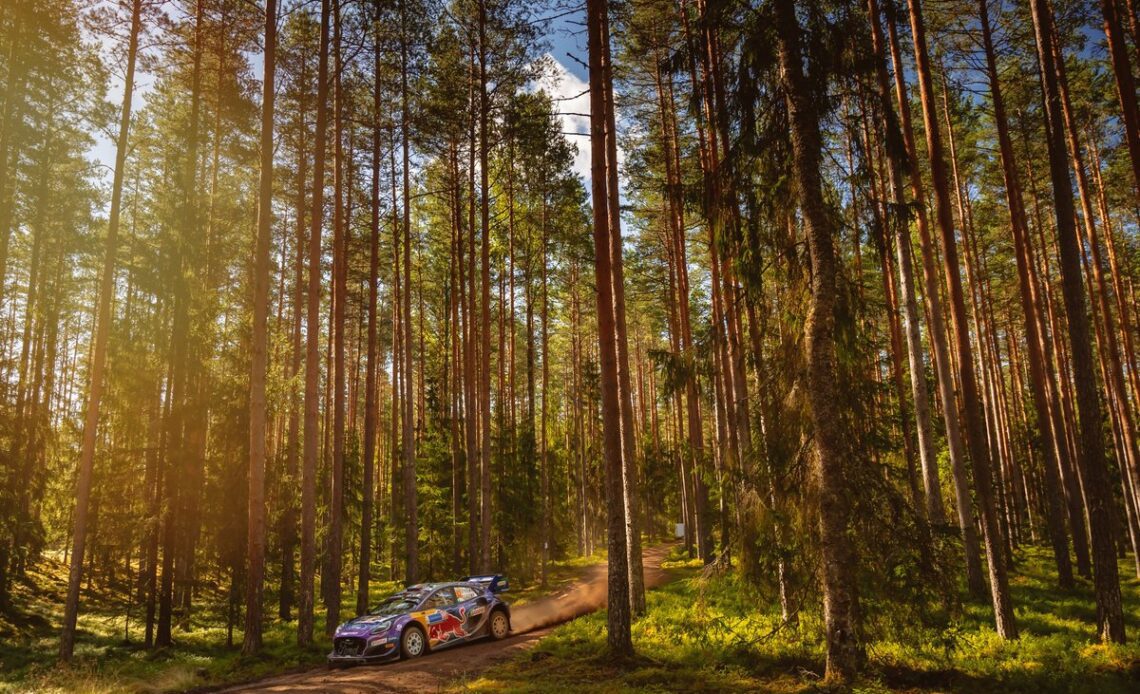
581	598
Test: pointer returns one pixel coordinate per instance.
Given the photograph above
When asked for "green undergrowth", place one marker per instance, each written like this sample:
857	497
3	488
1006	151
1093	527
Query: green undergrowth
718	634
109	655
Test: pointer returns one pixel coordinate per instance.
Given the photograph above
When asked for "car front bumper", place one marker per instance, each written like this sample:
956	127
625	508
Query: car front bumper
358	650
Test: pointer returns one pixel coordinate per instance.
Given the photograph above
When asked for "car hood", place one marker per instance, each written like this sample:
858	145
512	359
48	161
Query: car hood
366	623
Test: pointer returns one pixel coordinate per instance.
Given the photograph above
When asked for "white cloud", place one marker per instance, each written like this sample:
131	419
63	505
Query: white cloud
571	95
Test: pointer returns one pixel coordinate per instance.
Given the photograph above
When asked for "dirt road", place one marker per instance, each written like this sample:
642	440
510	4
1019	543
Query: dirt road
530	622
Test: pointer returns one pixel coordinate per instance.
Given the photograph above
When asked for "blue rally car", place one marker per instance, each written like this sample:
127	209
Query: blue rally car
427	616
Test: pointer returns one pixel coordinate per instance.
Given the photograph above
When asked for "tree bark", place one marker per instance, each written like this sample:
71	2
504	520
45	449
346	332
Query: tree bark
408	444
364	575
259	364
1091	456
485	294
937	333
618	639
895	152
1051	442
312	349
838	558
971	402
99	353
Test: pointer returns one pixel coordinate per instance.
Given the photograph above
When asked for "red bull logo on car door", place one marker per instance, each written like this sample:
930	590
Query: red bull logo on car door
444	626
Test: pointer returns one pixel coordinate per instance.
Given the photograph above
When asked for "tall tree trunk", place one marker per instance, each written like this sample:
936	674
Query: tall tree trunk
938	339
330	582
1091	456
370	417
184	381
287	594
547	505
259	362
411	520
618	638
99	353
471	406
625	392
312	349
971	402
838	558
485	294
1029	302
895	153
1120	416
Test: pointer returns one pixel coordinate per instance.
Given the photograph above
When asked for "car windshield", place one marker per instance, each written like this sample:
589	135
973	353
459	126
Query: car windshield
398	604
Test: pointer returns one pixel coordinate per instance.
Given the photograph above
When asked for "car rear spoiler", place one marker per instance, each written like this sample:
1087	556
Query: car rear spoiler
497	583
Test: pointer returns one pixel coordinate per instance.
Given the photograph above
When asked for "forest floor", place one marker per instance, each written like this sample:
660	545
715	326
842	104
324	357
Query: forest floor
717	634
110	656
701	633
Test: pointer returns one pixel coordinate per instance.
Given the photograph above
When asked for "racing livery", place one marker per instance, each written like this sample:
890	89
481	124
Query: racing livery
423	617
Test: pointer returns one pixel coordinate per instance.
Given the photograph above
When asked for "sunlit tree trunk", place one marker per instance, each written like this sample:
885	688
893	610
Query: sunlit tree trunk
543	448
408	444
618	637
330	581
1051	439
184	381
937	332
287	593
896	167
1091	458
980	456
472	406
312	349
99	352
370	370
625	391
485	296
259	363
837	554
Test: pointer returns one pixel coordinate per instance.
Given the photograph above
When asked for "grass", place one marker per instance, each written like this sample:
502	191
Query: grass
106	662
720	635
699	635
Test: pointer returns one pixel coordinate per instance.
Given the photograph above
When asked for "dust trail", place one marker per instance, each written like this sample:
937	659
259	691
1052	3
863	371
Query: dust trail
576	601
581	598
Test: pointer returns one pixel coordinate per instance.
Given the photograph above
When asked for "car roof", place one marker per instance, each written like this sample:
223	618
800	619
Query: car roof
429	587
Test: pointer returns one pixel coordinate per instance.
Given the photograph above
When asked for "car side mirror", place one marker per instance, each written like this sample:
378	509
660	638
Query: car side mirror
482	600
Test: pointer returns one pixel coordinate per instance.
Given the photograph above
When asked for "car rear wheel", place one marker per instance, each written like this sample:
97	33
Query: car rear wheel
500	625
412	642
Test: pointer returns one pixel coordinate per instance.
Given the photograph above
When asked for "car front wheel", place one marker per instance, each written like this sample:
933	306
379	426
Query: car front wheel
412	642
500	626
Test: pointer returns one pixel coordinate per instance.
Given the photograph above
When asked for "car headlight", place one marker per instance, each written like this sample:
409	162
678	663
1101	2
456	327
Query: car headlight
381	626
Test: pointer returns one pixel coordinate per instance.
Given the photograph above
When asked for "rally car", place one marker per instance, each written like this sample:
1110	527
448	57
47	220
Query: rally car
424	617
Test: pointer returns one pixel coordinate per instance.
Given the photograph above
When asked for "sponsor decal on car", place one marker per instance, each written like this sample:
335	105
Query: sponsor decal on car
450	627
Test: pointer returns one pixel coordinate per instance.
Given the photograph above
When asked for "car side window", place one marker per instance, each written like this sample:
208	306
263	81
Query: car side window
440	599
463	593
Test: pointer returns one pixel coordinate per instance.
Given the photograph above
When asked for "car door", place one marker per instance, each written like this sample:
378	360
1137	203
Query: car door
444	622
472	609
